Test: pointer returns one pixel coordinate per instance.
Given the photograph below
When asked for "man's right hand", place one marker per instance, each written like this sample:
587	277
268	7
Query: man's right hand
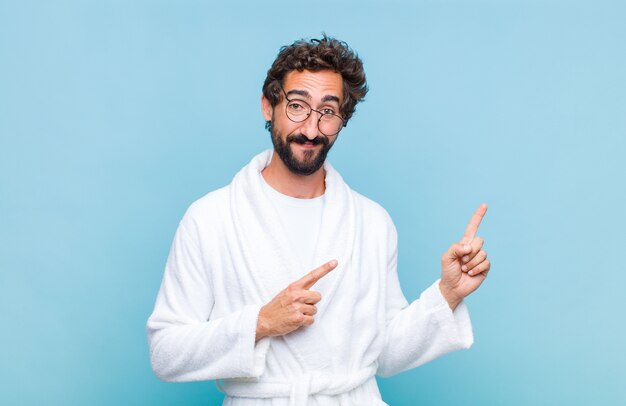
293	307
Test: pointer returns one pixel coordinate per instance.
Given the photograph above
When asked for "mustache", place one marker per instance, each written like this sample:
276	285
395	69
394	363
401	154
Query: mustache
301	139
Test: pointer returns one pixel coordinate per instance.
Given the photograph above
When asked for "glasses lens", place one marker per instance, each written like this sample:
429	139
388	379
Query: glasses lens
330	124
298	110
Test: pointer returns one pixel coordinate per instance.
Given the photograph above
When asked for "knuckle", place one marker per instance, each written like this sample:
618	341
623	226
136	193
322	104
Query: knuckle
282	300
293	295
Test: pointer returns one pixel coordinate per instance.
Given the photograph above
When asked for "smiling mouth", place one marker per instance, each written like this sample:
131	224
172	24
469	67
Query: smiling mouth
302	140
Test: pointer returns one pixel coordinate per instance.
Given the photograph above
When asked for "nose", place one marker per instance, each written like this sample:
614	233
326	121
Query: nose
309	127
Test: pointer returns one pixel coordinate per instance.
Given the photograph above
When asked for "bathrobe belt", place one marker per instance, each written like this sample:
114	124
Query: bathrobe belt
299	388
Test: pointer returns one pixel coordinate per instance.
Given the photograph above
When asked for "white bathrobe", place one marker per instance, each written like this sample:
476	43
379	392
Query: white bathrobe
229	258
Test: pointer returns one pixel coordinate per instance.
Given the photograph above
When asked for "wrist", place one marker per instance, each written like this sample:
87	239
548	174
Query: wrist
261	327
447	293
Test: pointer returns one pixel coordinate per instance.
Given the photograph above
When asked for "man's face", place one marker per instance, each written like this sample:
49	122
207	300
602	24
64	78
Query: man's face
301	146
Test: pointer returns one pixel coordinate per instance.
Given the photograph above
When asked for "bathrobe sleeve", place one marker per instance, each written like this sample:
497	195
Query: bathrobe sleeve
185	344
418	332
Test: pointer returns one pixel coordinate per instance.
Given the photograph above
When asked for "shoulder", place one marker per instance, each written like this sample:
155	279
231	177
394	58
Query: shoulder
374	213
377	221
209	209
211	201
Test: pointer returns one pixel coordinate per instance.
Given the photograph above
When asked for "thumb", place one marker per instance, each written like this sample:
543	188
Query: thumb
456	251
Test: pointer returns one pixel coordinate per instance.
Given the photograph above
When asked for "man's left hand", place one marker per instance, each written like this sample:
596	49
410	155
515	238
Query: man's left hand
465	265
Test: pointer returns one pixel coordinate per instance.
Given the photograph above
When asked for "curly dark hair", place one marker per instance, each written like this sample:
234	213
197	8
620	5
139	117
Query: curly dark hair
316	55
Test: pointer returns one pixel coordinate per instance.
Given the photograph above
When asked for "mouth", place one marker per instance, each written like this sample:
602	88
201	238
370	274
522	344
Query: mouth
308	144
305	142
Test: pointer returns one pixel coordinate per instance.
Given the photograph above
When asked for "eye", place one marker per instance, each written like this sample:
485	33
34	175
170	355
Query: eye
295	106
298	106
328	110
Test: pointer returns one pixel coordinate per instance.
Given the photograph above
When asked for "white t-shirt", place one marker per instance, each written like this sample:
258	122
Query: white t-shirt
301	220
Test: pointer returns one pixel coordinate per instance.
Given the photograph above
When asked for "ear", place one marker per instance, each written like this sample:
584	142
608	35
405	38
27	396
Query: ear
266	108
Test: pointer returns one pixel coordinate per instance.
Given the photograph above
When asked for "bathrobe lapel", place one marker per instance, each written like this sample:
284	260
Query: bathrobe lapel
264	248
256	222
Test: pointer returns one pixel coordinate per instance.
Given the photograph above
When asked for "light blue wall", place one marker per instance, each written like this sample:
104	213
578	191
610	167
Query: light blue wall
116	115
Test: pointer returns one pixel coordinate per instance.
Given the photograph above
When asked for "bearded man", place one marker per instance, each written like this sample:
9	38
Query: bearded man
239	302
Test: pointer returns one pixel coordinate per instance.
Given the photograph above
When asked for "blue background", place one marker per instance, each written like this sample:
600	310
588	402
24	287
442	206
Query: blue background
116	115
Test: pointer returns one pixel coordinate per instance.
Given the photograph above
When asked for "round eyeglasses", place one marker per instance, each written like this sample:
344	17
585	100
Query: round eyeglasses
298	111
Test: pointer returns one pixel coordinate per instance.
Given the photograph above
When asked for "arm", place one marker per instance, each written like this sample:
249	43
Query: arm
185	343
417	333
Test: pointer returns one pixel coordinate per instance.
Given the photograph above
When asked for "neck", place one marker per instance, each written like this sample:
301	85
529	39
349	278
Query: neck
279	177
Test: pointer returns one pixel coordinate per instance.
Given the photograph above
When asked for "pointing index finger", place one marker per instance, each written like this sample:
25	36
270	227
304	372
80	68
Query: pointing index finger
473	224
308	280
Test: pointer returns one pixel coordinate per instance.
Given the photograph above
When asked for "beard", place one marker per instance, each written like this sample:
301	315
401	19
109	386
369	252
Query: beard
313	159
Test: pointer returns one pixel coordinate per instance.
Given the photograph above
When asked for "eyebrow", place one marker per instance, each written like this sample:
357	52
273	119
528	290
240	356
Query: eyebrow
306	94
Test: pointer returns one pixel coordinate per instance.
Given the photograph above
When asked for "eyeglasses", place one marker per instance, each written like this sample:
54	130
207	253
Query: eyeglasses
298	111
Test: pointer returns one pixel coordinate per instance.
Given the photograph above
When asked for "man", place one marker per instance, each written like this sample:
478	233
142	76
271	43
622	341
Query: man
237	304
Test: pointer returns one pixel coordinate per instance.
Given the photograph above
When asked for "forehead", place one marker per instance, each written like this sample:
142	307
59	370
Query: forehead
317	84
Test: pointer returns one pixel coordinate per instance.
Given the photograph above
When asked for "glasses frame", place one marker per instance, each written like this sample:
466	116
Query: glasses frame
343	122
